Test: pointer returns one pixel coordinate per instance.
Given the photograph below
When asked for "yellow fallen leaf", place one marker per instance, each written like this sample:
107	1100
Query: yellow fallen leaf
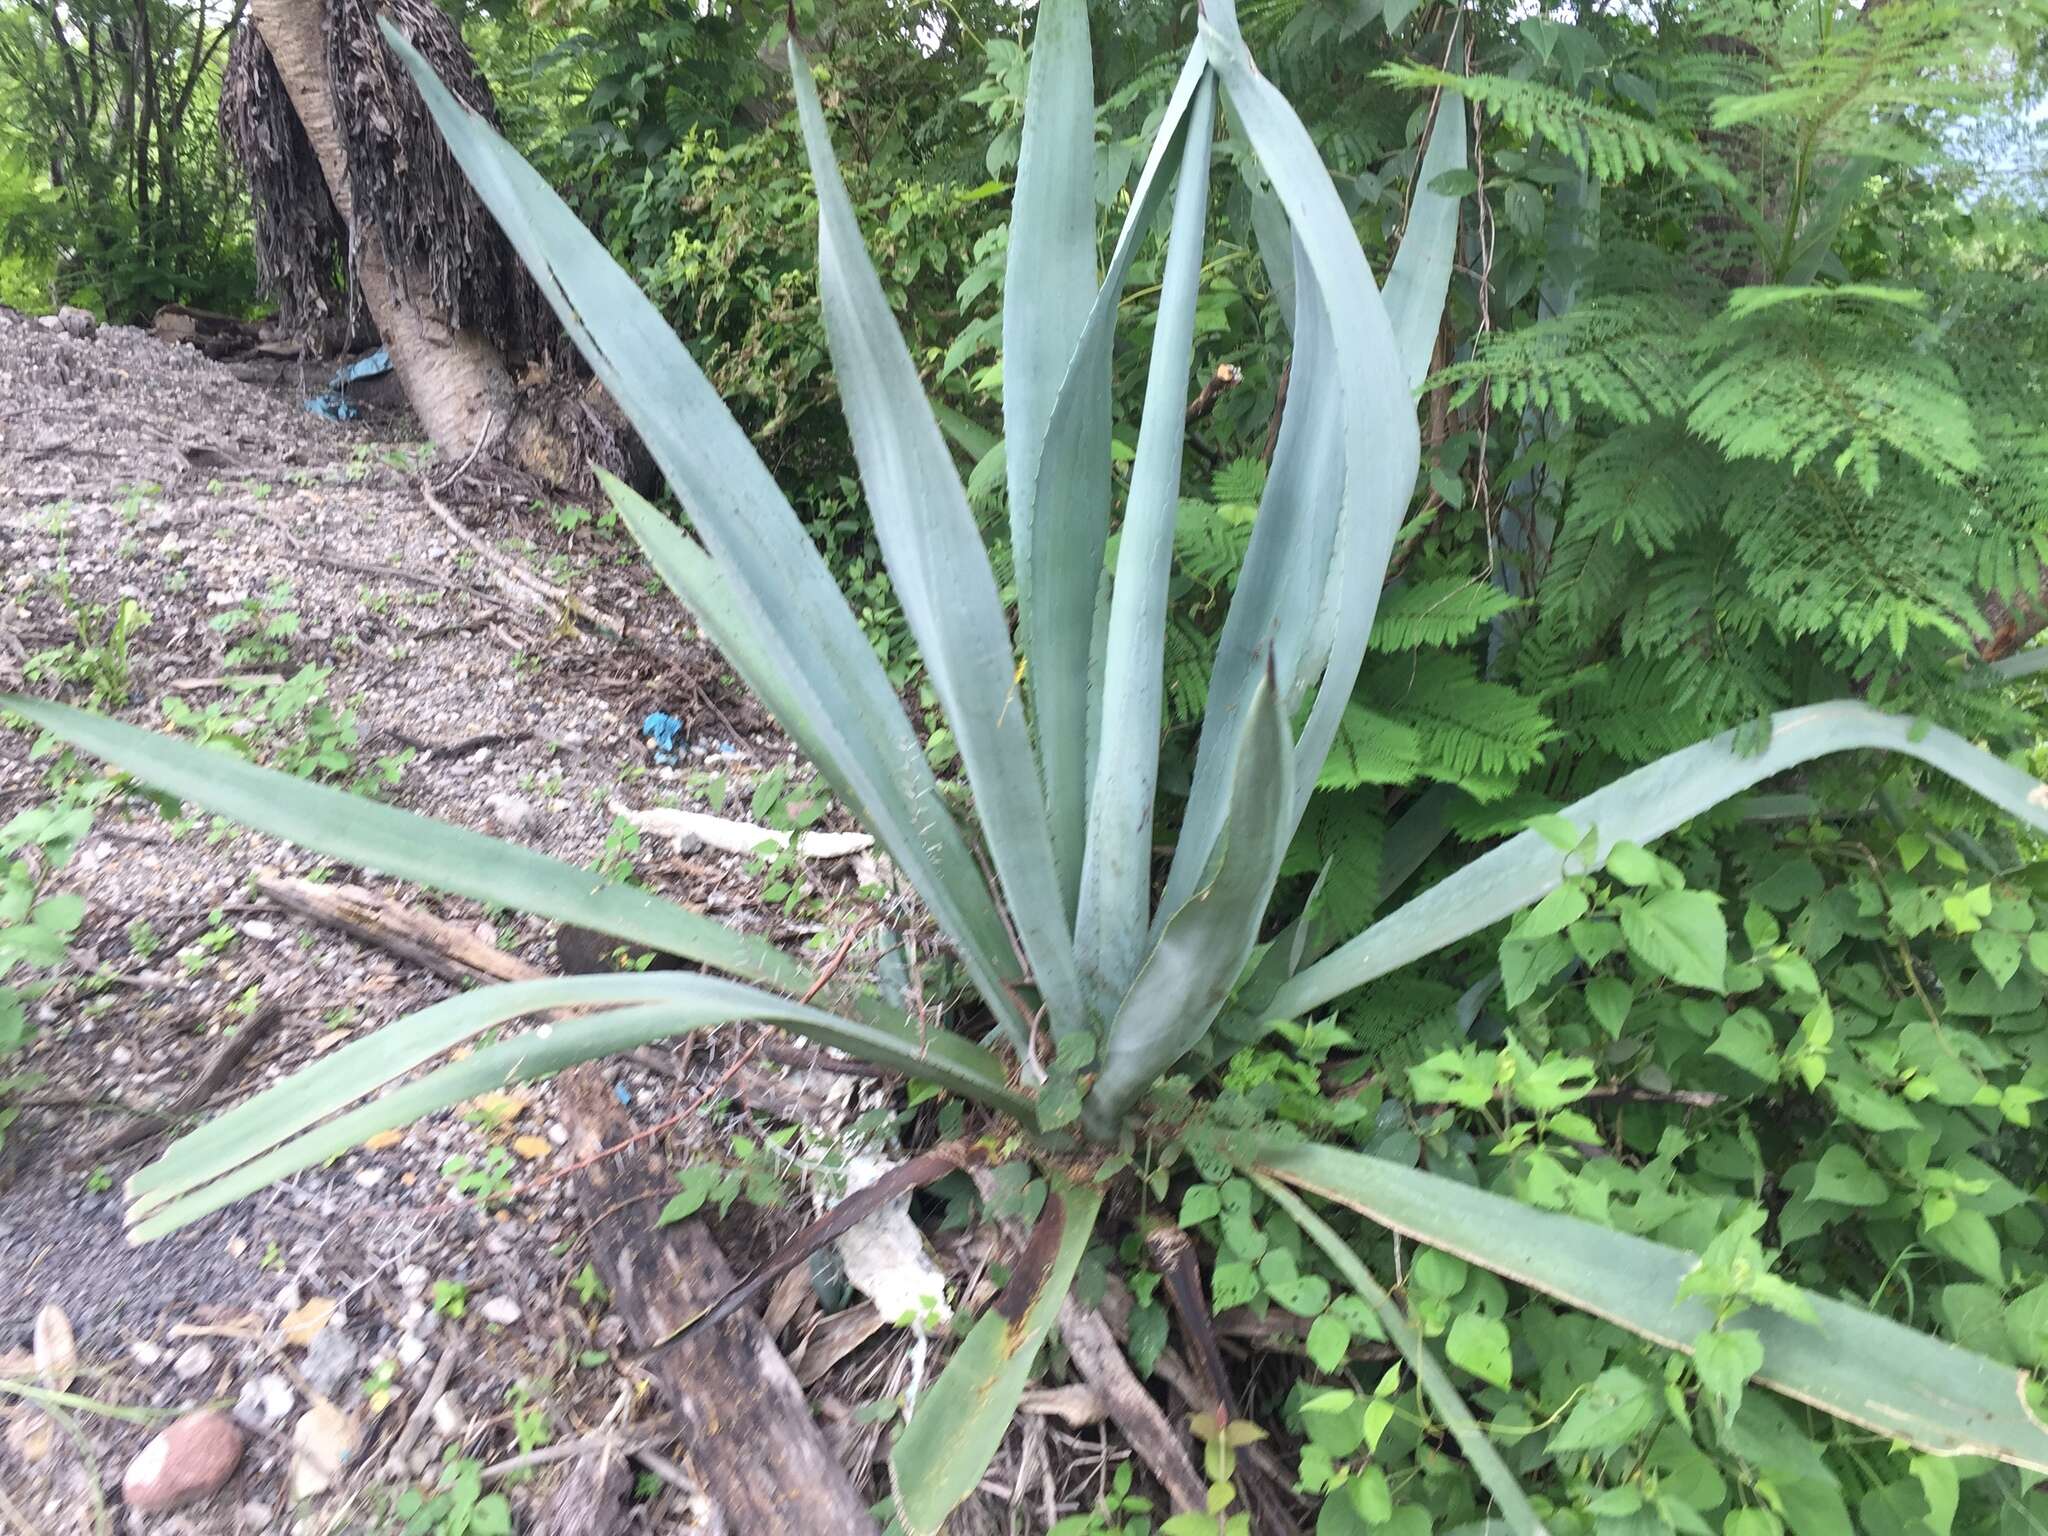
302	1325
382	1139
532	1148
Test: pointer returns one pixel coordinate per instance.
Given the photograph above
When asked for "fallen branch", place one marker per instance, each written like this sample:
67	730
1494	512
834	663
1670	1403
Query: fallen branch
227	1058
753	1446
460	747
422	1413
517	581
657	1431
447	949
1100	1360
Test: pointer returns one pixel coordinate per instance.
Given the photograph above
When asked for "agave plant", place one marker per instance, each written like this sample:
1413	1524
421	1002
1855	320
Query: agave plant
1080	956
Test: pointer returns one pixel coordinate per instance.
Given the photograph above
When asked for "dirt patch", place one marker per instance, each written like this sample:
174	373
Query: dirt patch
250	541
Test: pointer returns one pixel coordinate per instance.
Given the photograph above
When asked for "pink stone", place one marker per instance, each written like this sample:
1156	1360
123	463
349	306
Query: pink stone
188	1461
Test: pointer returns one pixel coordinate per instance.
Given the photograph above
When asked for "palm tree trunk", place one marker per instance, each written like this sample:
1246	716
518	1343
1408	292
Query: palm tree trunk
455	379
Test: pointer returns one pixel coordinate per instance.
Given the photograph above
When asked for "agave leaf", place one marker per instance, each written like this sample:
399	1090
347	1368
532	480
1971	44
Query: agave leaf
793	609
1436	1382
1109	928
1070	520
959	1424
1851	1363
1204	946
1421	274
939	570
1640	807
363	1066
690	1002
2011	669
695	578
1049	276
1299	517
410	847
1291	552
1276	244
966	434
1381	442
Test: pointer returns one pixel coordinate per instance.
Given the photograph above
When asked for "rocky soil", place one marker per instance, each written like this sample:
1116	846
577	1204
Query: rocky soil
186	545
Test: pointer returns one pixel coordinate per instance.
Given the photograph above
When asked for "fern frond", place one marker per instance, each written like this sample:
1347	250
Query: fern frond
1870	82
1477	821
1400	1019
1341	839
1209	544
1862	567
1190	658
1791	382
1646	486
1622	354
1475	734
1370	749
1442	610
1600	141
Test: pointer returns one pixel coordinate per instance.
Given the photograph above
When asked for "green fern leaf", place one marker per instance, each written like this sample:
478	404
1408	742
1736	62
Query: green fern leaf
1440	611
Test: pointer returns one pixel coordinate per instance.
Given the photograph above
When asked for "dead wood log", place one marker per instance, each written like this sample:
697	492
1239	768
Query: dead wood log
447	949
748	1433
216	335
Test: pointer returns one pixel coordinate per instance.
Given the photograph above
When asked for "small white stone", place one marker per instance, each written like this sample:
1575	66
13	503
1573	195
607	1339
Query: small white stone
146	1354
448	1415
256	928
502	1310
120	1055
193	1362
558	1133
288	1297
413	1279
412	1349
266	1400
370	1178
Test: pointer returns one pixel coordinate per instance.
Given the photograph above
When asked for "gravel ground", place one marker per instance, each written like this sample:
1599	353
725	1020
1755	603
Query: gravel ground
134	470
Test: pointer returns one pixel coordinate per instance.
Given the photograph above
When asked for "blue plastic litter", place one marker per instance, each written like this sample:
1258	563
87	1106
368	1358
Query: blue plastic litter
335	404
664	733
620	1090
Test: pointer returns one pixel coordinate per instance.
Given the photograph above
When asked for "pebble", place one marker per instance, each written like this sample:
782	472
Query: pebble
146	1354
256	928
322	1442
413	1279
120	1055
502	1310
266	1400
330	1360
189	1461
193	1362
254	1515
558	1133
412	1349
370	1178
448	1415
512	813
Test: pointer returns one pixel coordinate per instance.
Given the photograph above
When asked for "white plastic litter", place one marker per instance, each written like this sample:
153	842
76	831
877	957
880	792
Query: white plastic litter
886	1259
689	829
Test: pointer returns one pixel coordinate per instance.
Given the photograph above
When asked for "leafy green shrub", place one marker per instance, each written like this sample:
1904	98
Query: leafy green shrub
1113	992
